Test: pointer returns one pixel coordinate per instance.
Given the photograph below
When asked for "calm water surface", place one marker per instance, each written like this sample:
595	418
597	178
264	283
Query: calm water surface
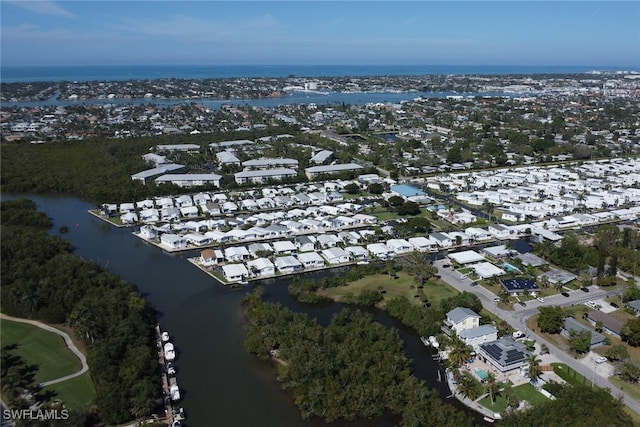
222	384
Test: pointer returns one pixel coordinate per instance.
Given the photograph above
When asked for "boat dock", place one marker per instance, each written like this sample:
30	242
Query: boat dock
170	412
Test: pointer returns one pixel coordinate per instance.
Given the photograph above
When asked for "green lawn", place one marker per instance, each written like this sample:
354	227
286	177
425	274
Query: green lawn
522	392
75	393
41	348
569	374
434	290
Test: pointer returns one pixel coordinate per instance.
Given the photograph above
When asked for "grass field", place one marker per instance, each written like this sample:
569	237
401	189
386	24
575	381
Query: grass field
41	348
522	392
434	290
75	393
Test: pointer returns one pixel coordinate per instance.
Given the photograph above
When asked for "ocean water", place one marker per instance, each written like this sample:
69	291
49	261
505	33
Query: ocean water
10	74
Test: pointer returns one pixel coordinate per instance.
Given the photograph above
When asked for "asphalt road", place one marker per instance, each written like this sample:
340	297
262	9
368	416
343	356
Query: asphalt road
518	317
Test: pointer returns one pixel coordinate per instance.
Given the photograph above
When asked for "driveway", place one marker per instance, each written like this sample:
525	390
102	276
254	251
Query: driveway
517	319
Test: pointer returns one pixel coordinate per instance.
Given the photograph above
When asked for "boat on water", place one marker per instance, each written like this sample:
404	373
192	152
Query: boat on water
433	341
176	423
425	341
169	352
178	414
174	390
164	336
171	370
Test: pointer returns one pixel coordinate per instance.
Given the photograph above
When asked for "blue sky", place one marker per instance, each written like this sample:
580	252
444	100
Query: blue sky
514	32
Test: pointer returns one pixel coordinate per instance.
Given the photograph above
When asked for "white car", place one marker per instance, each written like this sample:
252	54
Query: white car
540	299
601	359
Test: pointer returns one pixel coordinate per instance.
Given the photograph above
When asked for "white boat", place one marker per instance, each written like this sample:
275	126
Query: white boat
174	391
425	341
169	352
176	423
165	336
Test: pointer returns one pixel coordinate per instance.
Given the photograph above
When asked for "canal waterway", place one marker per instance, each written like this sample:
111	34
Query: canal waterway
222	384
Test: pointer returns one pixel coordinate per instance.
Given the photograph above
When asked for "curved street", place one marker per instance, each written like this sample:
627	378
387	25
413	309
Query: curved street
517	319
67	340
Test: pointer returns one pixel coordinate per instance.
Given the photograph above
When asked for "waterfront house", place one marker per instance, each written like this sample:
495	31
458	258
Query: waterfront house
461	318
443	240
197	239
288	264
261	267
335	255
478	335
500	231
210	257
129	218
311	260
357	253
172	241
422	244
504	354
380	250
399	246
234	272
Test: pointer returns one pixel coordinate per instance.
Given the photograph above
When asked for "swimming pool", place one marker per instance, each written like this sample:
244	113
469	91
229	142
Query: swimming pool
481	373
511	268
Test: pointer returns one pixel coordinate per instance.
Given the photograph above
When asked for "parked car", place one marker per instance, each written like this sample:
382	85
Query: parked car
584	289
474	284
522	303
601	359
445	265
540	299
564	294
614	305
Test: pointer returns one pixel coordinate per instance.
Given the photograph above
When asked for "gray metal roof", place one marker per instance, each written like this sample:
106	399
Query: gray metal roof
480	331
458	314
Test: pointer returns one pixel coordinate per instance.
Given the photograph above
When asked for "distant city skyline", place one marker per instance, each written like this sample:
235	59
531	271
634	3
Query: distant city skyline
597	33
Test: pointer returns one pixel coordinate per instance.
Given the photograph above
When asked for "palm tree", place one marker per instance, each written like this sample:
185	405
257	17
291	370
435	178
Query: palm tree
535	370
491	386
467	387
512	399
459	352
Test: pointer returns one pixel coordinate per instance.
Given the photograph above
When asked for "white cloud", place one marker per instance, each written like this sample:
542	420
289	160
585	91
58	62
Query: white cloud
43	7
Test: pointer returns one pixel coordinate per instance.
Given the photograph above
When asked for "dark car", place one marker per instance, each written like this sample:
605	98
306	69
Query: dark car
445	266
614	305
474	284
564	294
522	303
584	289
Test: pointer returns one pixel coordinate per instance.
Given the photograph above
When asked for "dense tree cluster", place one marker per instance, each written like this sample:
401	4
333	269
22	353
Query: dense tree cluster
574	406
42	279
551	319
354	368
